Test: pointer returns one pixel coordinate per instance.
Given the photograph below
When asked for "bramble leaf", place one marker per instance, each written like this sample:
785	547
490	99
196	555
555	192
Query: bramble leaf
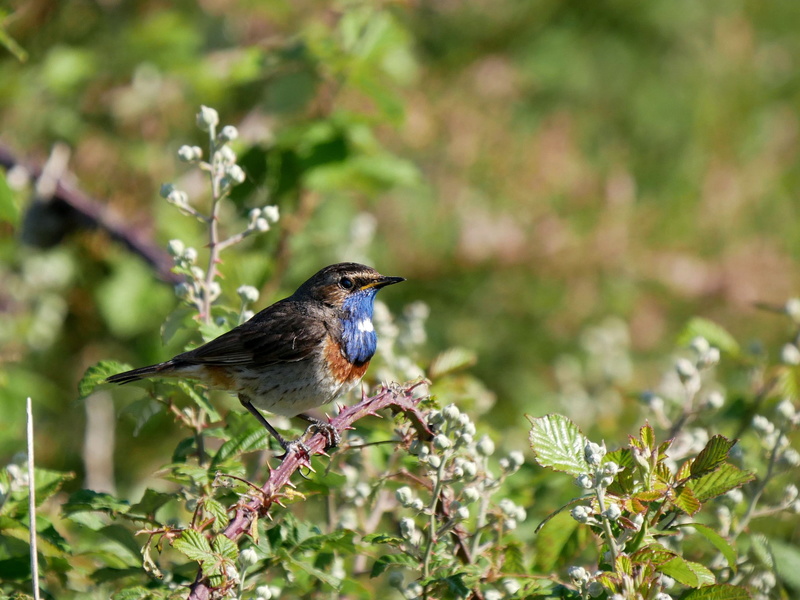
710	457
720	543
557	443
716	483
194	546
96	376
719	591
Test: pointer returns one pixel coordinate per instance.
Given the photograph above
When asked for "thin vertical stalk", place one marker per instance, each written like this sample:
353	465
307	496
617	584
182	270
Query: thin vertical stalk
32	506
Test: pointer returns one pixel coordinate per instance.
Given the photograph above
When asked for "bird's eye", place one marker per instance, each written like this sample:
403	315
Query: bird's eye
346	283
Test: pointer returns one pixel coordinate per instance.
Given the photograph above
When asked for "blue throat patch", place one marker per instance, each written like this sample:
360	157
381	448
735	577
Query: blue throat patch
359	338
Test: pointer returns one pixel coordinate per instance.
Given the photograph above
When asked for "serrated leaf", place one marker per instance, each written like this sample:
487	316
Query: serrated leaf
624	565
450	361
389	560
724	479
136	593
712	455
557	443
719	591
341	539
216	510
685	500
151	501
201	400
761	549
648	438
96	376
514	558
715	334
720	543
688	573
194	546
211	331
84	500
253	439
225	547
654	553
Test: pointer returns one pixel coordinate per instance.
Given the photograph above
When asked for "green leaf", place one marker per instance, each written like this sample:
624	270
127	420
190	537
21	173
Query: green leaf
151	501
720	543
194	546
137	593
382	538
787	562
710	457
719	591
175	322
225	547
514	558
122	543
88	500
141	411
390	560
623	483
201	400
557	443
96	376
724	479
716	335
216	510
552	541
686	500
451	361
255	438
648	437
688	573
654	553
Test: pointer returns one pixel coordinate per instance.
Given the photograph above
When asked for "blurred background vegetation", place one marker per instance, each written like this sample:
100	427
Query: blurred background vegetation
564	184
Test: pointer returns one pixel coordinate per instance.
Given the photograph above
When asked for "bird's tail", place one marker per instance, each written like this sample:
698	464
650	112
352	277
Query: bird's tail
165	369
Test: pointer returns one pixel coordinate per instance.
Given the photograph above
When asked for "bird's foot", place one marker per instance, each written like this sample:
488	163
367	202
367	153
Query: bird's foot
295	447
332	437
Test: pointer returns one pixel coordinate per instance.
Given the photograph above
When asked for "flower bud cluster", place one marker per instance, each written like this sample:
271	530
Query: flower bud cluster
600	474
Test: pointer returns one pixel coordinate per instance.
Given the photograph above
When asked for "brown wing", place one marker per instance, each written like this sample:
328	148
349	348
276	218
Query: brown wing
284	332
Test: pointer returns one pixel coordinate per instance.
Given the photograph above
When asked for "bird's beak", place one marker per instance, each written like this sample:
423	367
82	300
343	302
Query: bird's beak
382	281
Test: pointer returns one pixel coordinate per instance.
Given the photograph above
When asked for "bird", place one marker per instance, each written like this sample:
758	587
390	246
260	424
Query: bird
298	354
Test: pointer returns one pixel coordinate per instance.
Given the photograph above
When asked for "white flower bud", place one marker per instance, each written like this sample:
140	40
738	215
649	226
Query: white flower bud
612	513
516	458
611	468
175	247
493	595
416	504
714	400
190	255
790	457
404	495
581	513
228	133
785	410
451	413
508	507
263	592
248	557
247	293
485	446
578	574
595	589
510	586
236	173
262	224
254	214
207	118
227	155
792	308
790	493
441	442
585	481
272	213
186	153
407	527
470	494
470	468
510	524
594	453
685	369
762	424
178	198
709	359
461	514
700	345
166	190
790	354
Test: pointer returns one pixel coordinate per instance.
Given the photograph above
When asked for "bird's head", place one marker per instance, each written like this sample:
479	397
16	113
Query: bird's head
346	285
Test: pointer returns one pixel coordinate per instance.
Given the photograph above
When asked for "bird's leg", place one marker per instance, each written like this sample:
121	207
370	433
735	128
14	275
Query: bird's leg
296	446
332	437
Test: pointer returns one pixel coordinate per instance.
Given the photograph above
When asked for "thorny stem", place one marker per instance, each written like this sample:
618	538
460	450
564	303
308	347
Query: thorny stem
481	522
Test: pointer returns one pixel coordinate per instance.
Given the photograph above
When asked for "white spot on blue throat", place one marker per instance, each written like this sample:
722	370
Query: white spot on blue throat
359	338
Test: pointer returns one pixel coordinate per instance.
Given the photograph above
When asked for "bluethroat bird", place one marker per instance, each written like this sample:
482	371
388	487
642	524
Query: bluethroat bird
300	353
